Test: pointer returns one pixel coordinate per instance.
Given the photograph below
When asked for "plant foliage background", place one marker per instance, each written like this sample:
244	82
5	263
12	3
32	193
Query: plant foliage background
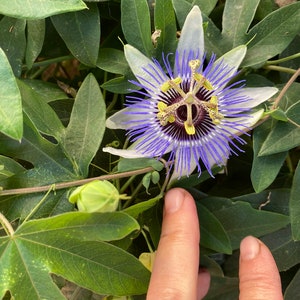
62	72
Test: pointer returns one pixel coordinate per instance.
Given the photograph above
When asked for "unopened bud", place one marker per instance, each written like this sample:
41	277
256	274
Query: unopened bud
96	196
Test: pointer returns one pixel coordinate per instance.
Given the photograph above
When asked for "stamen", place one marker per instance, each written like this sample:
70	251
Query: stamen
213	110
189	128
166	113
173	83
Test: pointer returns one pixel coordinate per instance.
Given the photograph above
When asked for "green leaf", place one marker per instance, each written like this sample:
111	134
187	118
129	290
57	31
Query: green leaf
119	85
273	34
113	61
295	205
222	287
9	167
47	91
281	244
164	20
182	8
264	168
13	41
237	17
130	164
55	245
284	135
275	200
213	235
85	226
50	163
40	113
239	219
11	119
81	33
86	127
138	208
293	289
135	20
38	9
35	40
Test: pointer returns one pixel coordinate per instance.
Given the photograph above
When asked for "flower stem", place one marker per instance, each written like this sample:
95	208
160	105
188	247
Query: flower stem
281	60
283	91
280	69
147	241
126	184
129	201
52	61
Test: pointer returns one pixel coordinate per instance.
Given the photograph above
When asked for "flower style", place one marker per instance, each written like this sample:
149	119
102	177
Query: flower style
191	111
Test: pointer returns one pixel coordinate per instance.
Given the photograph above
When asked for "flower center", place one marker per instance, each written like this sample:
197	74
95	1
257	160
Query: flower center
189	105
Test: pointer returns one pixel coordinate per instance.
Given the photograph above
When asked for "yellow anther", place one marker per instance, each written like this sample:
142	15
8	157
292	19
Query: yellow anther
207	85
202	81
164	116
165	86
214	100
199	78
161	106
171	119
189	128
213	110
173	83
177	80
194	64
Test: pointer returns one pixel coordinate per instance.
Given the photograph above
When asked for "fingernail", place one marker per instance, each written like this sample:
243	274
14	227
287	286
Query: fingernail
174	200
249	248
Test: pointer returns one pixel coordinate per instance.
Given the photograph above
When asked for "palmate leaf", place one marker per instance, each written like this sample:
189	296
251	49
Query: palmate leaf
11	118
73	246
50	164
38	9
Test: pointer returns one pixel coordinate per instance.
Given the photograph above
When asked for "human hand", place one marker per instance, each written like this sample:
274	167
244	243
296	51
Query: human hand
175	273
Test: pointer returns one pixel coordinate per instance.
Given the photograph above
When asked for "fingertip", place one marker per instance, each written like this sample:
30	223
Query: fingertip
258	273
249	248
174	199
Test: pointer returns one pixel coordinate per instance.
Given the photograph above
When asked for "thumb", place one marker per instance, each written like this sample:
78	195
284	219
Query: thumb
258	273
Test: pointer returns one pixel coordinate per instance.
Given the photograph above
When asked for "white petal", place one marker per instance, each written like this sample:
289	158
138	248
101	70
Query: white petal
233	59
123	120
129	153
139	63
192	37
256	96
248	121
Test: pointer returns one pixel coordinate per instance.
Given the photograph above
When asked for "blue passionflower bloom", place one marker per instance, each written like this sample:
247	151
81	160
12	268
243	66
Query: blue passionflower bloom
191	110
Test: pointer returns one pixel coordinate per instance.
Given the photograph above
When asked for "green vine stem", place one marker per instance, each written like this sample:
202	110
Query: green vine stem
68	184
6	225
284	59
280	69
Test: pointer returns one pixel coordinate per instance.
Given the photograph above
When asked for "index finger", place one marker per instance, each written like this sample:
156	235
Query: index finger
175	269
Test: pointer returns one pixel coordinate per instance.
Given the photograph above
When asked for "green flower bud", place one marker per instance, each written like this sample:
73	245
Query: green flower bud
96	196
